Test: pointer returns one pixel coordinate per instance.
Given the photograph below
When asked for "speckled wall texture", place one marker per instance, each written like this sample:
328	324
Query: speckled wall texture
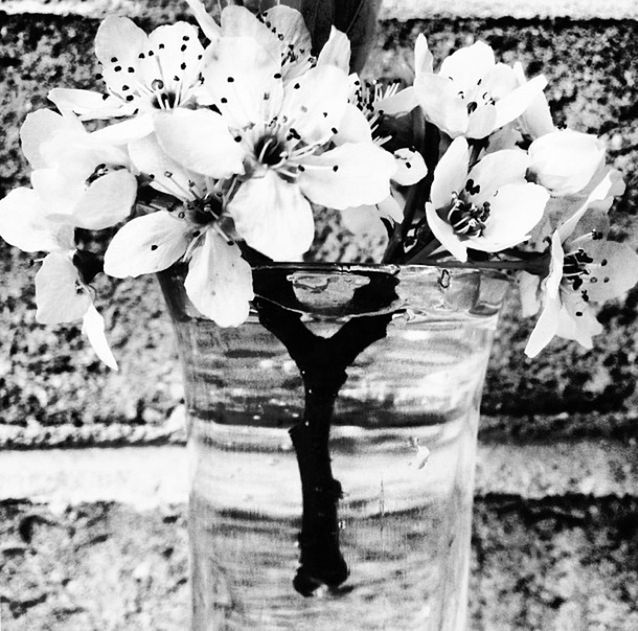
49	377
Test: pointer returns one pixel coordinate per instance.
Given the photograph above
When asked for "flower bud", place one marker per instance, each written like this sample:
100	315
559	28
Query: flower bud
564	161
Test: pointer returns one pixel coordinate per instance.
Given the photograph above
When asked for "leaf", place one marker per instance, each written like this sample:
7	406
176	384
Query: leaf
358	20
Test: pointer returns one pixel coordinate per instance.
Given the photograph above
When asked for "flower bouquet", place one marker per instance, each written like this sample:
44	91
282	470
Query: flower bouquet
208	156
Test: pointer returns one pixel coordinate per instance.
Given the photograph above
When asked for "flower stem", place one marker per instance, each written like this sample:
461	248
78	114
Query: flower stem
322	364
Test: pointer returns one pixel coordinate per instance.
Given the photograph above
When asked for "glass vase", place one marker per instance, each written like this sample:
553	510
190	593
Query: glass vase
332	440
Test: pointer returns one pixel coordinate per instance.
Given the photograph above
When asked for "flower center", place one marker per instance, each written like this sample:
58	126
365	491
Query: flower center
576	266
203	212
165	100
269	150
467	218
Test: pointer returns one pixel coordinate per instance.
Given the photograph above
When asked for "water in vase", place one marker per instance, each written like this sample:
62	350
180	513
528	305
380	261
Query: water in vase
402	446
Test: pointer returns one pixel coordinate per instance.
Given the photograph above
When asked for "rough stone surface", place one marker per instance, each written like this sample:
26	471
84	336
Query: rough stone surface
153	476
567	565
398	9
48	376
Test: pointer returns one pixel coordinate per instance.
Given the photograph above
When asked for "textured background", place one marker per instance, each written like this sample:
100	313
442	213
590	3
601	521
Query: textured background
558	555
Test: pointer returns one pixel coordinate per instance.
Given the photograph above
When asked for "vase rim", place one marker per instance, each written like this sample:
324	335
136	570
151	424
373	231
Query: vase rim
387	268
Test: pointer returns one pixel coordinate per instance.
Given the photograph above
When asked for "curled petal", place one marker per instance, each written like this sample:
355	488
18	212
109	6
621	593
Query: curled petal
219	281
273	217
200	141
147	244
93	328
349	175
444	232
410	167
450	173
58	293
89	105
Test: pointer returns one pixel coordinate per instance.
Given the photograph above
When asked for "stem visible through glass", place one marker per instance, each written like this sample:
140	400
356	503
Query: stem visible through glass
322	363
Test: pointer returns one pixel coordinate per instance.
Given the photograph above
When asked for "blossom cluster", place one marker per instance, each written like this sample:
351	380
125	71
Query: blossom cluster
211	144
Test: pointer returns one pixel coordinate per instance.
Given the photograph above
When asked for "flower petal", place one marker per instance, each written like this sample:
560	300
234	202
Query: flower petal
577	321
317	102
545	328
147	244
125	131
118	44
219	281
444	232
89	105
548	322
336	51
423	58
107	201
536	120
58	294
239	22
468	65
349	175
243	80
289	27
614	269
200	141
363	220
441	104
402	102
273	217
495	170
410	167
514	211
450	173
93	328
482	121
166	175
512	105
565	161
23	223
179	57
39	127
209	27
354	127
